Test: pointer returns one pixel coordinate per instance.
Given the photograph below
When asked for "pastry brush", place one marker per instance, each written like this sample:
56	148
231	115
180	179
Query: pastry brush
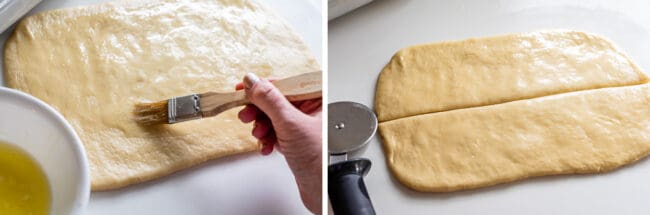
196	106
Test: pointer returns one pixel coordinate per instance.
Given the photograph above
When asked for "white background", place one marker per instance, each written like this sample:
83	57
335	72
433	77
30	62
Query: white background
362	42
240	184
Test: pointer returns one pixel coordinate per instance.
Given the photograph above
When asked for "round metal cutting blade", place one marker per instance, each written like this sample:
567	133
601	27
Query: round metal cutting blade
350	126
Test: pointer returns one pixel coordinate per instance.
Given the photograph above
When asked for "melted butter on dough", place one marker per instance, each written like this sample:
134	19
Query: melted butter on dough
475	72
579	132
94	63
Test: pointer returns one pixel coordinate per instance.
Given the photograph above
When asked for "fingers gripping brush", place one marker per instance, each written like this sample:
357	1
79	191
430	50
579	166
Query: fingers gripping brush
196	106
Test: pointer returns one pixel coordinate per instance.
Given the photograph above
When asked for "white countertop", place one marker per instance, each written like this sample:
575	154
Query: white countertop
362	42
240	184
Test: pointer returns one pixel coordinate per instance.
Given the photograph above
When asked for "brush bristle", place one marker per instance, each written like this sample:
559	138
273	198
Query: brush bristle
151	113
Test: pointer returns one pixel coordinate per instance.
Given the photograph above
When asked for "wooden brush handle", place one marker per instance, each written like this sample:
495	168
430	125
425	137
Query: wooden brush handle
296	88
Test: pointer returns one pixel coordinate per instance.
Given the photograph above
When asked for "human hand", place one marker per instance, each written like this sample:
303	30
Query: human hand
294	129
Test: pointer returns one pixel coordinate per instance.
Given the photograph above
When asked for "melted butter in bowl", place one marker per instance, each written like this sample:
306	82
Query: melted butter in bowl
42	161
24	188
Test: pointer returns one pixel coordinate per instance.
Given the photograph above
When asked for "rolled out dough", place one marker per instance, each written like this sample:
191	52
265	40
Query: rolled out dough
94	63
450	75
579	132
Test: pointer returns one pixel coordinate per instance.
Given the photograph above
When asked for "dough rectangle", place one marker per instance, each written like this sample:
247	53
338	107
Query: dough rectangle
475	72
579	132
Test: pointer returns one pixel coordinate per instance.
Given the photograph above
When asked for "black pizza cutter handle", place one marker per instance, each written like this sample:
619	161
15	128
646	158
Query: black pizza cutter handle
347	191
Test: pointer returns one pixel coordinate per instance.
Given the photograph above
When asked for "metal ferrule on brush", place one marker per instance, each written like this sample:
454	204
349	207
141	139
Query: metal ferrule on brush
184	108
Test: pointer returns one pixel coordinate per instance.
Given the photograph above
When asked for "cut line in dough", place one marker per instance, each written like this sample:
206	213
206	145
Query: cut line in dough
474	113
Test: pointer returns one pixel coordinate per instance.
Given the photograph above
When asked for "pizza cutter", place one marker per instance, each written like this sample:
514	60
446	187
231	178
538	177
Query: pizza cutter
350	127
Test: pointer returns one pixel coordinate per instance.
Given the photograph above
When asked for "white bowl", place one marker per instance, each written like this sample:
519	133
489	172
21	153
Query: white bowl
43	133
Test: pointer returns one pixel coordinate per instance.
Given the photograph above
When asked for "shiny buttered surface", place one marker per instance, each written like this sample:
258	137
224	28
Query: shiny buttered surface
94	63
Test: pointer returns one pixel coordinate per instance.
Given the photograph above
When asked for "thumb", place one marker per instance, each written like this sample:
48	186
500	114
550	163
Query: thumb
268	98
